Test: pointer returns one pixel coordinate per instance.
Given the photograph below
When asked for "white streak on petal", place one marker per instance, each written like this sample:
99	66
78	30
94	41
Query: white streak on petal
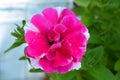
76	66
70	60
83	49
87	34
41	56
35	62
59	10
30	26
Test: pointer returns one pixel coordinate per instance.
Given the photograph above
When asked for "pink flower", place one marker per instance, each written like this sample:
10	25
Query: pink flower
56	40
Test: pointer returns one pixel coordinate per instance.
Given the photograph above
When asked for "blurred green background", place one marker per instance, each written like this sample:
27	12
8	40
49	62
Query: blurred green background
102	60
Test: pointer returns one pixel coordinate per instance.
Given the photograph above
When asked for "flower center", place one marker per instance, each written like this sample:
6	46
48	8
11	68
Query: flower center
51	43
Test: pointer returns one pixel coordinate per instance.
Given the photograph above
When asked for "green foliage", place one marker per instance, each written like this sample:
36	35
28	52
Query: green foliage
118	76
19	35
102	59
117	65
23	58
34	70
92	57
100	72
68	76
83	3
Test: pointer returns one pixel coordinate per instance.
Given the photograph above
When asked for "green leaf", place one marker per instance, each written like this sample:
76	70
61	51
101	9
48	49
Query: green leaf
20	29
118	76
23	22
83	3
68	76
94	37
117	65
92	57
115	42
35	70
15	34
14	45
23	58
19	35
100	72
90	18
79	76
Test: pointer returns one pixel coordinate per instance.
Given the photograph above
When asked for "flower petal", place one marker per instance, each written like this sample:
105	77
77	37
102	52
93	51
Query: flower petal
78	53
76	65
60	28
47	65
41	23
53	36
64	69
63	55
72	24
52	51
37	44
51	14
64	13
30	35
77	39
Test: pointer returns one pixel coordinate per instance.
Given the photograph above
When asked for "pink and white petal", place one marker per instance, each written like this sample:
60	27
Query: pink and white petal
76	65
63	55
51	14
47	65
35	62
61	60
65	49
59	10
72	24
37	44
59	28
78	53
41	23
52	51
64	69
30	35
77	39
64	13
31	27
87	35
33	51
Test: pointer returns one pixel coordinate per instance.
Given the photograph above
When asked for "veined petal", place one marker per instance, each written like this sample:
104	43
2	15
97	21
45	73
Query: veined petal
64	69
63	55
51	14
53	36
77	39
64	13
47	65
72	24
41	23
78	53
30	35
59	28
37	44
61	60
52	51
